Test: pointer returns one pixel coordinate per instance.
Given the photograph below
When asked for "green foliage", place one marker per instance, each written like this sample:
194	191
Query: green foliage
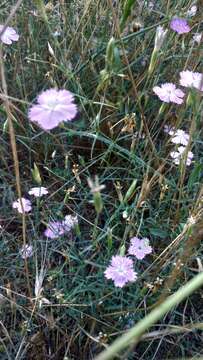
145	194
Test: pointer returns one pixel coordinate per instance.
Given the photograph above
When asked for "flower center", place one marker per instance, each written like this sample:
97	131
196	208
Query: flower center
121	270
51	104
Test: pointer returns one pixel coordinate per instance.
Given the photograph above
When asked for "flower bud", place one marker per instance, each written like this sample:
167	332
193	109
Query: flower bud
36	175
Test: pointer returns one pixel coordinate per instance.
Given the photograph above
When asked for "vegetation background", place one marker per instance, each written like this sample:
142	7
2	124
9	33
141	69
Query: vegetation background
118	136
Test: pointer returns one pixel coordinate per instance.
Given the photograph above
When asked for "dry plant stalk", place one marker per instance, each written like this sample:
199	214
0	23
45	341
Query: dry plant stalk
147	185
12	136
195	235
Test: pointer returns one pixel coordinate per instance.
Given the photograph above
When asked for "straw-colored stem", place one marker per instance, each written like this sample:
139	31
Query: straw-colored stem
133	335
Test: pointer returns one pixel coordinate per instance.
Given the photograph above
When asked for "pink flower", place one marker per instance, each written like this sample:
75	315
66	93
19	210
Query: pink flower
168	93
60	228
54	229
139	247
177	156
191	79
9	35
180	137
120	271
26	251
179	25
38	191
53	107
26	205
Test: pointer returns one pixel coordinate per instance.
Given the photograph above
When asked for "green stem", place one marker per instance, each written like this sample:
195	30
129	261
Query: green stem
133	335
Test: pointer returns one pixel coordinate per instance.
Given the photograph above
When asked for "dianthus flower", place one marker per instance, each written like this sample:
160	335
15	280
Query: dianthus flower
70	221
26	251
179	155
139	247
60	228
180	137
180	25
120	271
26	205
197	38
54	229
9	35
38	191
53	107
191	79
192	11
169	129
169	93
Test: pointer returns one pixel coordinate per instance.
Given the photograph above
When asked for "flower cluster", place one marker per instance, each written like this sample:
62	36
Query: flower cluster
121	268
179	155
56	229
26	203
181	138
169	93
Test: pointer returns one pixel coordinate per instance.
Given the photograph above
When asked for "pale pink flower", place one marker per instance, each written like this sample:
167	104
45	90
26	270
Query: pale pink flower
26	205
38	191
60	228
54	229
180	137
53	107
120	271
180	25
9	35
26	251
169	93
179	155
191	79
139	247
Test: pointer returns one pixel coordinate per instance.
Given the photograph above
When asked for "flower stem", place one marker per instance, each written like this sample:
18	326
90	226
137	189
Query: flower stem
134	334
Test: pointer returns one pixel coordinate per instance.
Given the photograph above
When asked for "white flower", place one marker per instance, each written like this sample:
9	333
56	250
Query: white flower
192	11
180	137
70	221
26	251
38	191
191	79
159	37
197	38
169	129
179	155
